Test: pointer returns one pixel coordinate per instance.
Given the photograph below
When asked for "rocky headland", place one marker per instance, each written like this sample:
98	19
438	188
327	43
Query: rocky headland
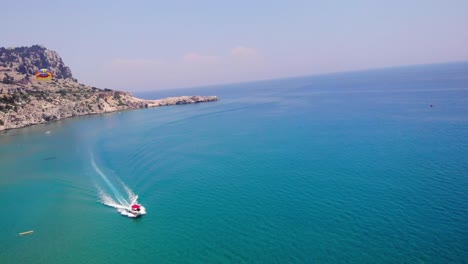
26	101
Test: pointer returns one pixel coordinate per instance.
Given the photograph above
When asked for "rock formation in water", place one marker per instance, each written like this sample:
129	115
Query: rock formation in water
26	101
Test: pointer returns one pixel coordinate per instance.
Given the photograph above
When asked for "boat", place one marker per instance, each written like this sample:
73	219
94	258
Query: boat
135	210
131	208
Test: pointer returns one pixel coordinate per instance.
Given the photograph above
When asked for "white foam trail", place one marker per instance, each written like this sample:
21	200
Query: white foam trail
132	197
116	193
107	200
122	205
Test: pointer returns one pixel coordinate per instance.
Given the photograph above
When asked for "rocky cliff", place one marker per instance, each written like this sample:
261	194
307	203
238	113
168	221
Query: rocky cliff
27	60
26	101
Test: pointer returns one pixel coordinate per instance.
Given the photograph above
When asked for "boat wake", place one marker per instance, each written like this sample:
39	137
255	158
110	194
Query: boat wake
125	204
124	207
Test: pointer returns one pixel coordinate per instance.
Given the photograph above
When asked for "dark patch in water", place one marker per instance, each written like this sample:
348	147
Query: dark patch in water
50	158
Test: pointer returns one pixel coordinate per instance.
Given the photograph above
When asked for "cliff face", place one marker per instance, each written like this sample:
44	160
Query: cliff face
27	60
26	101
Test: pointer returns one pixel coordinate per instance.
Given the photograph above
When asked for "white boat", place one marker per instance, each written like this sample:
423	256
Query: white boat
137	210
134	210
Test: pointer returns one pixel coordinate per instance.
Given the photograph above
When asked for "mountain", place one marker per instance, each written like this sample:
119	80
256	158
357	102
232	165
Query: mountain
28	60
25	100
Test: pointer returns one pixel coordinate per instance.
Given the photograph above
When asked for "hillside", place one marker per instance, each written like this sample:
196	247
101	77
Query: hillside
25	101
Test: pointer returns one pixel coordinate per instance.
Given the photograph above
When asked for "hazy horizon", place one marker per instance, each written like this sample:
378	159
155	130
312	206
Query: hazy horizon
160	45
324	74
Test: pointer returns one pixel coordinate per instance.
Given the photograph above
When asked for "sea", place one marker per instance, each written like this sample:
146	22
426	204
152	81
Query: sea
355	167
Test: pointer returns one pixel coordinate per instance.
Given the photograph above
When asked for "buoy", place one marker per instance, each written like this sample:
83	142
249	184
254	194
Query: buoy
26	233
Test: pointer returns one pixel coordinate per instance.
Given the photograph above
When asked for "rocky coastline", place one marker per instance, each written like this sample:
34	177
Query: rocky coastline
25	101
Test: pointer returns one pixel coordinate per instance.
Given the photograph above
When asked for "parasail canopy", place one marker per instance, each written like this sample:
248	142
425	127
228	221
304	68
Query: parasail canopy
44	74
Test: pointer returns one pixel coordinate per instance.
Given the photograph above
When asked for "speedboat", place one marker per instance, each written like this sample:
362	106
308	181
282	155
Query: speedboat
135	210
132	209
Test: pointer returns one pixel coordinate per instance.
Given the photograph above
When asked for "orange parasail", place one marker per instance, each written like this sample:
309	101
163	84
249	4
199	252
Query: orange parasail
44	75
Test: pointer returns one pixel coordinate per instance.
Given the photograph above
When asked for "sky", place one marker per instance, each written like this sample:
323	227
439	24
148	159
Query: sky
157	45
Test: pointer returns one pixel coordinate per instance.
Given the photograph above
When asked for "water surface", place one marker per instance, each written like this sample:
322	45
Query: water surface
340	168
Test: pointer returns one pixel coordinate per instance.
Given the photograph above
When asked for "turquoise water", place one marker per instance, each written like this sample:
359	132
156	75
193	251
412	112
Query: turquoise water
341	168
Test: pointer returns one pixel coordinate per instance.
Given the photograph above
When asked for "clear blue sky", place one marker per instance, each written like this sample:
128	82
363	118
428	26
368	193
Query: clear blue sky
150	45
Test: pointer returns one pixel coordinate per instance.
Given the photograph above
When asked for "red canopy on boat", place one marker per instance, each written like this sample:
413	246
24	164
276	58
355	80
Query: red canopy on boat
135	206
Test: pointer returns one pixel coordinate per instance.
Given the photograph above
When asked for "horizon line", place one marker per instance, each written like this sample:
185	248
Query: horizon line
306	75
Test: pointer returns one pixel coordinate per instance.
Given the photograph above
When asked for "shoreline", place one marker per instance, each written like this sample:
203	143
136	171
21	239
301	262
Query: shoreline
26	99
138	104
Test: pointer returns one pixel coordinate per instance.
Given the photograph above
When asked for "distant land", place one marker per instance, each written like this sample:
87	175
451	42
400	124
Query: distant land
26	101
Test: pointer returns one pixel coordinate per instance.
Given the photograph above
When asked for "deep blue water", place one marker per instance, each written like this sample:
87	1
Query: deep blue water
340	168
